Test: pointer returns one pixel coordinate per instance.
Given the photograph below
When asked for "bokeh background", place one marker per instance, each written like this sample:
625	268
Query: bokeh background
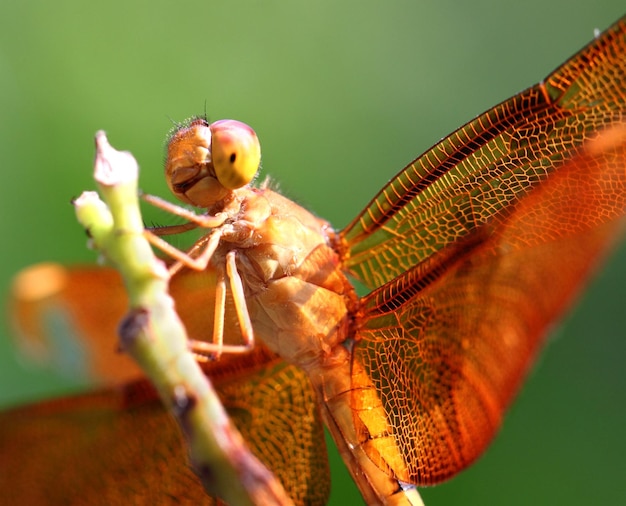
342	95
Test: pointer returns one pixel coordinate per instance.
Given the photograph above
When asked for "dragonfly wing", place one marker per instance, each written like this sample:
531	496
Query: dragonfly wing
67	318
99	448
278	416
442	349
119	446
486	166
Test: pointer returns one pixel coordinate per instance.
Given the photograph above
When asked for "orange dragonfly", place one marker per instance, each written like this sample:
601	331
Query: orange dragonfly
471	252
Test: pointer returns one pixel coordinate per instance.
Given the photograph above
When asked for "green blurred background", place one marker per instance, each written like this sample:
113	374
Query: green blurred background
342	95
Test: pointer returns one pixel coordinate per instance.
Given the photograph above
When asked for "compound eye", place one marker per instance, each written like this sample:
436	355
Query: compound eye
235	153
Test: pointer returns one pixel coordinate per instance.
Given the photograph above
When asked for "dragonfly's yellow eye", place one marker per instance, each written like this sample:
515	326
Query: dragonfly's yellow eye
235	151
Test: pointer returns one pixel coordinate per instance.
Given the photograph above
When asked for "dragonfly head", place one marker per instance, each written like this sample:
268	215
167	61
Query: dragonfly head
207	162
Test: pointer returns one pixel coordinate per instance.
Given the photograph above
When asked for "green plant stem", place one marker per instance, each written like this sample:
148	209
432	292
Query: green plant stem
154	336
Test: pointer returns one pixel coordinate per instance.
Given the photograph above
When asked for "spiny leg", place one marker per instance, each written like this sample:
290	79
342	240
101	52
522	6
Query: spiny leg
202	220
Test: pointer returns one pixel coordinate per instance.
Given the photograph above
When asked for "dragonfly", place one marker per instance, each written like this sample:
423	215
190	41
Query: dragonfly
470	254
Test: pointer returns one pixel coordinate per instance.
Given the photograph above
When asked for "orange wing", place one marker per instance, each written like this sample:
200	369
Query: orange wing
119	446
475	249
484	168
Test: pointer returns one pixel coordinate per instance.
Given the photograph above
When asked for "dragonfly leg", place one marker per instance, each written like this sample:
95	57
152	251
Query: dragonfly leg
220	312
217	347
239	297
198	263
202	220
173	229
